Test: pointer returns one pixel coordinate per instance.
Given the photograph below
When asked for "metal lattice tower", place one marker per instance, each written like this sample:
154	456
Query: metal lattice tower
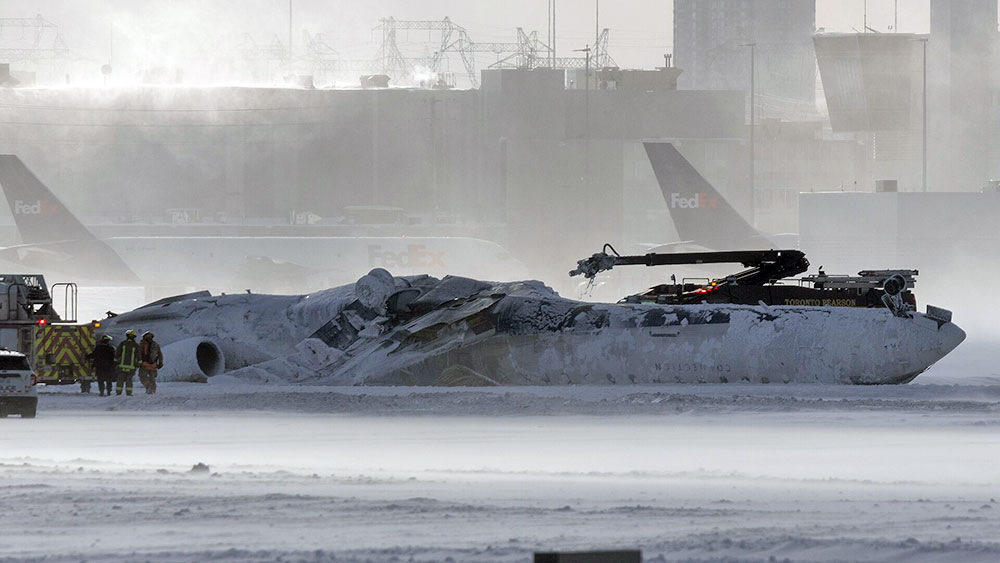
31	39
263	60
601	58
527	52
389	60
533	53
317	51
523	54
444	36
321	56
452	39
273	51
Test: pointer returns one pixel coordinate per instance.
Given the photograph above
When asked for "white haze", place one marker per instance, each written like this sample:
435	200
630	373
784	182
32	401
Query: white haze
201	36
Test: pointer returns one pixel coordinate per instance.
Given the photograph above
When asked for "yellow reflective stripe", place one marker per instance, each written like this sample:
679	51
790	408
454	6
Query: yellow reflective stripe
126	362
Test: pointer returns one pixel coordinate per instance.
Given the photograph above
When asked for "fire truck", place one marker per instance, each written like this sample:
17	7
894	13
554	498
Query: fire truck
32	323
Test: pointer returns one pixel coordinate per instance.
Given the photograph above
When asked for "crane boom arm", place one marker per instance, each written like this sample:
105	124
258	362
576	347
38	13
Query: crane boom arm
763	265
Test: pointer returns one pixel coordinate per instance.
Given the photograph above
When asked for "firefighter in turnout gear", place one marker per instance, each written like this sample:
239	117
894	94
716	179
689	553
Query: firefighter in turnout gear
150	359
102	359
127	357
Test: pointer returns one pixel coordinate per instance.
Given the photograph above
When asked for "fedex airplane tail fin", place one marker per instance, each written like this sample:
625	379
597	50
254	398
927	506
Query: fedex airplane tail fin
51	236
40	216
700	213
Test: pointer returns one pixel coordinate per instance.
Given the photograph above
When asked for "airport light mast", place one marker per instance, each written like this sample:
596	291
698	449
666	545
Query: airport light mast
597	22
924	125
753	104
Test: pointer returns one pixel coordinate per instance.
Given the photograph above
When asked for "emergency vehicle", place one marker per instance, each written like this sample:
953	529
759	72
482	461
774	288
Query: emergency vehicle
18	394
32	323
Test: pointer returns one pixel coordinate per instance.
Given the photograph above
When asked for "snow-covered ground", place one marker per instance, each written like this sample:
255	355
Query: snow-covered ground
685	473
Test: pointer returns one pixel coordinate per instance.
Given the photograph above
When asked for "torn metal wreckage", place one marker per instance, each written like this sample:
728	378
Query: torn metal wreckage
455	331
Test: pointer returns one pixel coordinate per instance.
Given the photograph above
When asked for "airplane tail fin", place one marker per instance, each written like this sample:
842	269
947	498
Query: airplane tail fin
48	227
700	213
39	215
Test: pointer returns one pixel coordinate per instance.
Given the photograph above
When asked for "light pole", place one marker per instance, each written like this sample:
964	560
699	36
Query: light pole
586	86
597	22
753	106
924	126
554	33
586	122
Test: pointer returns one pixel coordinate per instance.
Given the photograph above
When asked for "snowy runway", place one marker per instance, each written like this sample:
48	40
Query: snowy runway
685	474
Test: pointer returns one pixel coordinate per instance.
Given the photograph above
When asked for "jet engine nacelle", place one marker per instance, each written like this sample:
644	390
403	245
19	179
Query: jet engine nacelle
192	359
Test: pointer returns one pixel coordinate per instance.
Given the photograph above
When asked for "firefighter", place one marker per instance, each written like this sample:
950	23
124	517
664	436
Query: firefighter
127	357
102	359
150	359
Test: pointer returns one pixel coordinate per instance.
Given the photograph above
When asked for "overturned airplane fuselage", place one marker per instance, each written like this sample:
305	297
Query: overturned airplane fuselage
457	331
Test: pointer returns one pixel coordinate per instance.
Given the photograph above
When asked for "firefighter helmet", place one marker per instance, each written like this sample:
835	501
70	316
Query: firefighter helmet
106	339
129	333
147	335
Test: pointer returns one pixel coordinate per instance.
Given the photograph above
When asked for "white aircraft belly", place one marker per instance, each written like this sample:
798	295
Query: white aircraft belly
468	332
773	345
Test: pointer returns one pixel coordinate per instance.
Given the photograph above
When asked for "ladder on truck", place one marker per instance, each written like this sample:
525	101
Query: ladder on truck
32	322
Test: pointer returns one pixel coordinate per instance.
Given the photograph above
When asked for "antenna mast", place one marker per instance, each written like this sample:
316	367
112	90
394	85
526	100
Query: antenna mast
548	31
553	33
597	21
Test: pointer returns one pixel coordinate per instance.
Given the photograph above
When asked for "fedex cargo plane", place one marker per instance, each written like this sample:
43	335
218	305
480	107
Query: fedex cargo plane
703	217
53	240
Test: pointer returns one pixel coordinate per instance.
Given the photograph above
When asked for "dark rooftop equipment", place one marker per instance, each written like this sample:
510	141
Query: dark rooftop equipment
375	81
886	186
627	556
6	80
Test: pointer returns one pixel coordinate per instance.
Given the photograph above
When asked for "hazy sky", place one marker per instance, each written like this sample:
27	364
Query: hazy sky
166	30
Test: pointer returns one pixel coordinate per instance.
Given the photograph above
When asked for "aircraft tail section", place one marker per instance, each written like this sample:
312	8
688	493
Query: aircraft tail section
49	230
39	215
700	213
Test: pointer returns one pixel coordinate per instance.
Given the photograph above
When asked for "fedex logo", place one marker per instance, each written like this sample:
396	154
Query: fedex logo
415	255
37	207
700	200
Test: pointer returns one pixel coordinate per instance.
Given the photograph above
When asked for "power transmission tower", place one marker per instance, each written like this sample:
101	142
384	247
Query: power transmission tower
444	38
452	39
31	39
389	60
274	51
263	61
601	58
523	54
321	57
316	49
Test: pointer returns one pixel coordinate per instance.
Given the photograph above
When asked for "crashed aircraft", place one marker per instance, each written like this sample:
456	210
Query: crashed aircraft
420	330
